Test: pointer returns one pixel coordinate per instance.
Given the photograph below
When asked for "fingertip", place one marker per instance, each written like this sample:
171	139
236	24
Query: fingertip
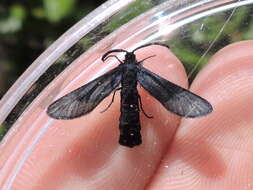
209	147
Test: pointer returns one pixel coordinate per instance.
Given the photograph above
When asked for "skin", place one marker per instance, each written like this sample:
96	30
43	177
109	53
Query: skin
211	152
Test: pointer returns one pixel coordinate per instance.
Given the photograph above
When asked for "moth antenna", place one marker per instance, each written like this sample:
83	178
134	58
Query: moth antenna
104	57
151	44
112	56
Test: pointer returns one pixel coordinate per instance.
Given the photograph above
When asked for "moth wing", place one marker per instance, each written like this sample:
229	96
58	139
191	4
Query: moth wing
174	98
84	99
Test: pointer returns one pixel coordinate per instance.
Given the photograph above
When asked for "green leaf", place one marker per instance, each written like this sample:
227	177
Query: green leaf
18	12
38	13
55	10
14	21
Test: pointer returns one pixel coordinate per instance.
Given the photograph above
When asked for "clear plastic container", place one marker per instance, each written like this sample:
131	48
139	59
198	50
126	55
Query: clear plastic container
39	152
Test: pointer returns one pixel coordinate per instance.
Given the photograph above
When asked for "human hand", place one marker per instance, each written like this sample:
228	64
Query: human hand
211	152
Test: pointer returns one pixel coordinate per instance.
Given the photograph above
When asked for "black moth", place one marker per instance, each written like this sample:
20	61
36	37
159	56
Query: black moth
84	99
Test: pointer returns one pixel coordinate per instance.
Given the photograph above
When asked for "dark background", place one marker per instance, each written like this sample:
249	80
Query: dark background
28	27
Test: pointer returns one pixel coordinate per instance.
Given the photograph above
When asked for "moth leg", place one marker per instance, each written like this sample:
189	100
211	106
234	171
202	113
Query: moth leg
112	99
141	61
150	117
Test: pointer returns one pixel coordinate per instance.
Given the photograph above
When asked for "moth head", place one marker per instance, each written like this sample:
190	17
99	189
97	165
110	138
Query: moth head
130	57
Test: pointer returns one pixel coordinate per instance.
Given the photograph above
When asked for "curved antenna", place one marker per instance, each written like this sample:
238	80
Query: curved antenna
112	51
150	44
105	58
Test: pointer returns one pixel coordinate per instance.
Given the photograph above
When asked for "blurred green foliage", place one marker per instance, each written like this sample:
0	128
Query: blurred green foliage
200	40
57	10
27	28
134	9
3	130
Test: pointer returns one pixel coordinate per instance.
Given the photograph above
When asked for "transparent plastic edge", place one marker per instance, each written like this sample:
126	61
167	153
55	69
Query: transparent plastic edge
51	54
